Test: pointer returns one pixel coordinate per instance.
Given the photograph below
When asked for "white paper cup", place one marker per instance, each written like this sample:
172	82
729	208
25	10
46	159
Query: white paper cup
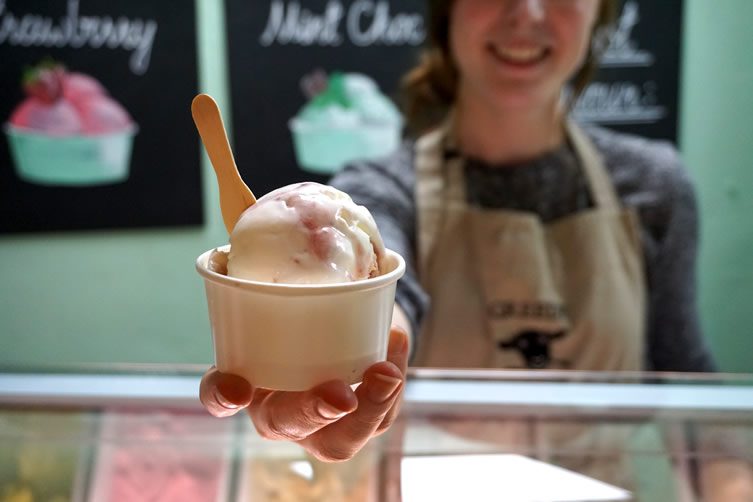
295	336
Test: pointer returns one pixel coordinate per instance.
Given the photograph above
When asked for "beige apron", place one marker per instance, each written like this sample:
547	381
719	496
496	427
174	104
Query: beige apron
508	291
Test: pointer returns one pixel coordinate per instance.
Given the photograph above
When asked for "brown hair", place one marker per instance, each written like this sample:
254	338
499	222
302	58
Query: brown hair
428	89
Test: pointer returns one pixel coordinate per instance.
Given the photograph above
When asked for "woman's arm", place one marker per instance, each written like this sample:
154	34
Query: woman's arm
386	187
675	341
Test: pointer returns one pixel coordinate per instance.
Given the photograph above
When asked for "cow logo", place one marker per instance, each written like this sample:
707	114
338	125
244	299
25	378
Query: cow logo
535	348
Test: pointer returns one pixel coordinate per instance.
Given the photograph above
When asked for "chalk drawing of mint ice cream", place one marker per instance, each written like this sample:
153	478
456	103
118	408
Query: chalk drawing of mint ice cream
69	131
346	118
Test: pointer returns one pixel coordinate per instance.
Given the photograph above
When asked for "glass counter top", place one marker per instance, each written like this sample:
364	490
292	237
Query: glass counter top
139	433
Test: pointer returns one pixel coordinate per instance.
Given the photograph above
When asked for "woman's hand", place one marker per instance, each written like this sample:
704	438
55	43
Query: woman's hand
330	420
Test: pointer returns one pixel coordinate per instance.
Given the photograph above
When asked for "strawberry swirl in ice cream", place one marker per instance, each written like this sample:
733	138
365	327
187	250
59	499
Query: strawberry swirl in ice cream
305	233
68	130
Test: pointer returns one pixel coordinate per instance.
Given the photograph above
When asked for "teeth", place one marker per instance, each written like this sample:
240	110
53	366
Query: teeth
520	55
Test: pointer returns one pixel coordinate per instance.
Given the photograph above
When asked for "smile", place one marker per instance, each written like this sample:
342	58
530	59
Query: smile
519	56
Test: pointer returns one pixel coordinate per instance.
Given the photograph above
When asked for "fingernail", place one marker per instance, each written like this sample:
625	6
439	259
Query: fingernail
223	401
232	392
382	387
329	411
398	342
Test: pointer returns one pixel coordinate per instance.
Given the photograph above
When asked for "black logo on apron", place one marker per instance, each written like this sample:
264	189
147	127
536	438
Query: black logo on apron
534	347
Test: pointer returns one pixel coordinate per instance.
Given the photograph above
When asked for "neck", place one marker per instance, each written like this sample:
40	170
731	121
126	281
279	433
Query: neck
503	136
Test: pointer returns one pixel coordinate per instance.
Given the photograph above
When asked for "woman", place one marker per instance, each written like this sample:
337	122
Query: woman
565	248
540	244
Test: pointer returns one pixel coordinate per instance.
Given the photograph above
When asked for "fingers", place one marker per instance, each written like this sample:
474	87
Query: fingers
223	394
377	395
341	440
296	415
330	420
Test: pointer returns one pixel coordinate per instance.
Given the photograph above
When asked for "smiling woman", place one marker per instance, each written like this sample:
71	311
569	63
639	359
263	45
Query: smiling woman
533	242
431	87
502	194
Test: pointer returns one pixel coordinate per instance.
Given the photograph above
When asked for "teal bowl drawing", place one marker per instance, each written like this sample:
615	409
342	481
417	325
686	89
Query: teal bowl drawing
326	149
72	160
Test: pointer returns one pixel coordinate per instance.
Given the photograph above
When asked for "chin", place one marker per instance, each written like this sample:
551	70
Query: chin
504	100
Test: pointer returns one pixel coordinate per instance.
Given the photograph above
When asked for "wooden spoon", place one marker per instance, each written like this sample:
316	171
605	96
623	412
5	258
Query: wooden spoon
235	196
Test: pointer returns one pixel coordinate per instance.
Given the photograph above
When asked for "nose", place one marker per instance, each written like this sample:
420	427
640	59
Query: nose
526	10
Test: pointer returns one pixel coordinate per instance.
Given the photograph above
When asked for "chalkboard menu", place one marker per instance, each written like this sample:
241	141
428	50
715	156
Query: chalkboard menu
281	53
95	106
636	87
281	50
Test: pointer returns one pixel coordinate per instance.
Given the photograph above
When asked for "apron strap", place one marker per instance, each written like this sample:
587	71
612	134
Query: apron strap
599	182
430	194
440	183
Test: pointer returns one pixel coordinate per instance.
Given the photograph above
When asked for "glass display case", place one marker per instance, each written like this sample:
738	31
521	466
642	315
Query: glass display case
139	433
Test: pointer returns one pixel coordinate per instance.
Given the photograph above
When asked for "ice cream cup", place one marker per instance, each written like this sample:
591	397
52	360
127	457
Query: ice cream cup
72	160
293	337
325	149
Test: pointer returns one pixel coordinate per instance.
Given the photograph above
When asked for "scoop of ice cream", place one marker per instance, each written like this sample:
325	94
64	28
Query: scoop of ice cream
77	86
333	115
44	109
57	118
305	233
369	102
102	114
350	99
65	103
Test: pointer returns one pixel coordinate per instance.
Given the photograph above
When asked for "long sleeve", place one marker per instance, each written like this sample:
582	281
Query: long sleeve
386	188
650	177
675	342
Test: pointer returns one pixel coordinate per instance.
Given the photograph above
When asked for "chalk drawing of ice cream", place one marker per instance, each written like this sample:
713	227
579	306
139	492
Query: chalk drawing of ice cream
346	118
68	131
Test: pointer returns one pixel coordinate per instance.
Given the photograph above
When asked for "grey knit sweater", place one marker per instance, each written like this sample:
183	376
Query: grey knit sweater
648	175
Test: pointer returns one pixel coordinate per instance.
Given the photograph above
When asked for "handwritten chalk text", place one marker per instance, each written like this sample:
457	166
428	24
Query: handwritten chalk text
76	31
366	23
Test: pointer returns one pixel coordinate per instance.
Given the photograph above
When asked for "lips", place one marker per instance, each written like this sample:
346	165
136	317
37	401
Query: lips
519	56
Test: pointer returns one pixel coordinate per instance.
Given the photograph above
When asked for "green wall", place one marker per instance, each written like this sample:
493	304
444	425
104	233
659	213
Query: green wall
133	296
125	296
717	143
